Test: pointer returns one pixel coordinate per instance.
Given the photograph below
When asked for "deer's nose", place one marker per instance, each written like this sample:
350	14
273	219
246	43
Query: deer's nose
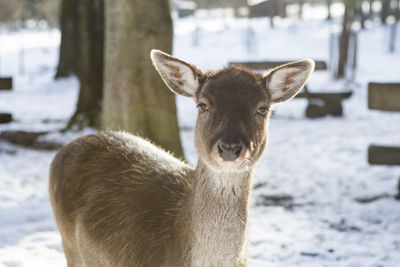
229	152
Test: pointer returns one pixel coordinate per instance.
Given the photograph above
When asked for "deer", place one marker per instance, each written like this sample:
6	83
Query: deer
119	200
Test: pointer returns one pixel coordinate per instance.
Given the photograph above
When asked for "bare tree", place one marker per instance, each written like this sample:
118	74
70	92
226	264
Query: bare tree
51	10
90	69
344	38
135	98
81	53
10	11
69	38
385	10
17	11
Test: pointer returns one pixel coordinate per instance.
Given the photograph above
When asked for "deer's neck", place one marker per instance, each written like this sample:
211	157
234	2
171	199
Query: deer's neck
219	208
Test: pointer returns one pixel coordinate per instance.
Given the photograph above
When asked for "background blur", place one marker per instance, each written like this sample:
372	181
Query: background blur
327	188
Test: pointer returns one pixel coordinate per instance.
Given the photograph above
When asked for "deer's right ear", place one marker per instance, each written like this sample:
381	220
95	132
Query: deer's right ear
180	77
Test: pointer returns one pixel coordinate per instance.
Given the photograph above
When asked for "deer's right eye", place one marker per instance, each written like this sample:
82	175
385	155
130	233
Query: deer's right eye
202	107
262	111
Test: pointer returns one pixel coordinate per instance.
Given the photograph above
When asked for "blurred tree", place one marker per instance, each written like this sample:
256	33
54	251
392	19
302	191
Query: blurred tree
328	6
69	26
270	8
10	11
344	38
209	4
81	53
33	9
135	98
385	10
16	12
51	10
301	5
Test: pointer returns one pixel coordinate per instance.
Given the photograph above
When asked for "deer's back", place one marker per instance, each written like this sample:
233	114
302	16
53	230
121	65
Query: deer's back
117	194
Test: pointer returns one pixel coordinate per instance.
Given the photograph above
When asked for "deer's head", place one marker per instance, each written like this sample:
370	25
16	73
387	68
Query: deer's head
233	106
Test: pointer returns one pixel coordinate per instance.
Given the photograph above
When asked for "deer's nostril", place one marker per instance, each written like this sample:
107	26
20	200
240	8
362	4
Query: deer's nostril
220	149
237	149
229	152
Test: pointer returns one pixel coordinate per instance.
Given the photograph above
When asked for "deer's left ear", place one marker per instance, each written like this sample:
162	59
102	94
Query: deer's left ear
285	81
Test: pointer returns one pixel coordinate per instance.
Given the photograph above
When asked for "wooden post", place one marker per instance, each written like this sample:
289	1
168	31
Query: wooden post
5	117
249	37
196	32
22	60
384	96
5	83
383	155
392	38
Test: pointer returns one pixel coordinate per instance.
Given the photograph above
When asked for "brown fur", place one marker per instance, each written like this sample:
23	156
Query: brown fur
175	71
89	189
289	78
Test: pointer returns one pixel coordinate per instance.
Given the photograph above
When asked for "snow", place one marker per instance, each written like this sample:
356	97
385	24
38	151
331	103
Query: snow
321	163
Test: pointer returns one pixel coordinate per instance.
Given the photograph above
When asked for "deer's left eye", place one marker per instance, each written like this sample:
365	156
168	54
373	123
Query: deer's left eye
262	110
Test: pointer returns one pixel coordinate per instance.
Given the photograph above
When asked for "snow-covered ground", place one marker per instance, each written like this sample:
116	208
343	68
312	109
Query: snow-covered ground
321	163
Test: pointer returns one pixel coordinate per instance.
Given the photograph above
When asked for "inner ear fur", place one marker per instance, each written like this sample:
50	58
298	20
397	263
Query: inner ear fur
180	77
285	81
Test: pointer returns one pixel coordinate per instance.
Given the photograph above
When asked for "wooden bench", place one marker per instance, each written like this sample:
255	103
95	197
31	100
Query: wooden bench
320	104
5	84
386	97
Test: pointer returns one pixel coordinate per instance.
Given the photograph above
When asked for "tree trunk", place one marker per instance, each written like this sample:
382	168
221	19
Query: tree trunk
90	64
385	10
69	38
301	5
345	37
135	98
392	37
328	6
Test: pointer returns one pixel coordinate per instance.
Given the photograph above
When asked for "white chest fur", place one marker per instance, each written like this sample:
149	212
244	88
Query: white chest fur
219	219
